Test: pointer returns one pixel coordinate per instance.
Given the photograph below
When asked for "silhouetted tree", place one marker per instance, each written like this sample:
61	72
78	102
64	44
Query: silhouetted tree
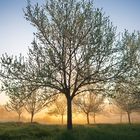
90	103
126	99
15	102
36	101
74	47
128	82
59	108
116	110
16	106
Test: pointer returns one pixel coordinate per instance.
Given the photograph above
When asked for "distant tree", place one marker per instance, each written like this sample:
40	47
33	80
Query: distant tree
90	103
126	99
116	110
59	108
128	83
35	102
75	46
15	102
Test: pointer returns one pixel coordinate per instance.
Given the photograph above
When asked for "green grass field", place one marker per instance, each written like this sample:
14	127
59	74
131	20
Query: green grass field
26	131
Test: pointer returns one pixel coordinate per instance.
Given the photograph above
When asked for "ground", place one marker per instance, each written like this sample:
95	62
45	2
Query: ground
35	131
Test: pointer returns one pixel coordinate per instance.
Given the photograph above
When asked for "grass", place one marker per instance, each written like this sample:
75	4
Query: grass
27	131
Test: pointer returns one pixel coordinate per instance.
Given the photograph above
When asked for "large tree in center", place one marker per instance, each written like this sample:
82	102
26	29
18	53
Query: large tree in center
74	46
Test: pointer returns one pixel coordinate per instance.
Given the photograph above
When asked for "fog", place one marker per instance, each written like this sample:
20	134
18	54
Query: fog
43	117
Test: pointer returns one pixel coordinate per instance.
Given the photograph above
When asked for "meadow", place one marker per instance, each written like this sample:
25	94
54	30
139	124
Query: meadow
35	131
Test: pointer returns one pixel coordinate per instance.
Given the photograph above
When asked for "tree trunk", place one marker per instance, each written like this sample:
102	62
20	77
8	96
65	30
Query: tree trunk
129	118
121	117
62	119
69	114
19	117
94	115
87	118
32	117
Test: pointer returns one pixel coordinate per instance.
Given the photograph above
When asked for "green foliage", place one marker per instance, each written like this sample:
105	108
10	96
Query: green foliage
26	131
130	43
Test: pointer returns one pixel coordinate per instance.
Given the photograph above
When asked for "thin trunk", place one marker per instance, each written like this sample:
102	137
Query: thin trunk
121	117
32	117
87	118
94	115
129	118
19	117
62	119
69	114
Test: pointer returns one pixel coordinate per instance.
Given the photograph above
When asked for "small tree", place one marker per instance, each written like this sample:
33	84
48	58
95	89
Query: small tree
116	110
90	103
15	94
126	99
35	102
15	104
59	108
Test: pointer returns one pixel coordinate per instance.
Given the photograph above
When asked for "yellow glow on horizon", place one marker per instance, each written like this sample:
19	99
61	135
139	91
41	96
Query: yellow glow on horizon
43	117
3	98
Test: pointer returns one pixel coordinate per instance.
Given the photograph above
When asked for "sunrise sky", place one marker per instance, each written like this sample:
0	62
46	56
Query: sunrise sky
16	33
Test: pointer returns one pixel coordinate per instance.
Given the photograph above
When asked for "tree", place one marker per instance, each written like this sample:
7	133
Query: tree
128	92
126	99
59	108
90	103
116	110
74	47
35	102
15	104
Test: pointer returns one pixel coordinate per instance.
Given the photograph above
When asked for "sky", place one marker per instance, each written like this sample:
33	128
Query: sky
16	34
125	14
